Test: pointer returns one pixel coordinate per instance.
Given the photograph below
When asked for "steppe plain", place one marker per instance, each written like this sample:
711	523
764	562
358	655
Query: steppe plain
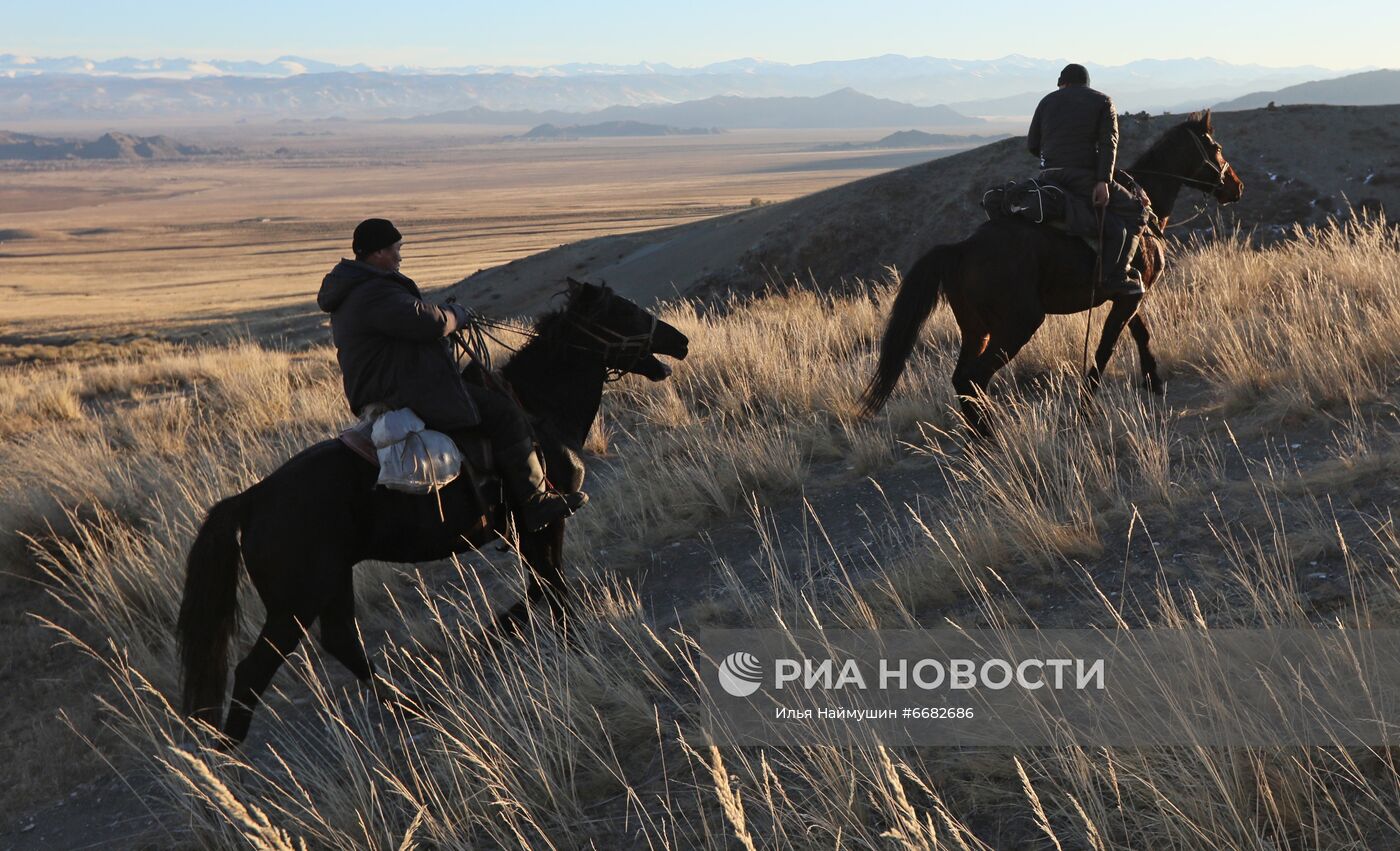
101	249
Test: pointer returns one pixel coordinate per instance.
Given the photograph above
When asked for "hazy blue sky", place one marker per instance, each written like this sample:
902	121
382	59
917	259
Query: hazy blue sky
1335	34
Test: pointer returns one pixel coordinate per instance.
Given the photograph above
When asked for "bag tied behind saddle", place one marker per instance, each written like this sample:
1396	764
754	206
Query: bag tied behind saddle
1031	199
412	458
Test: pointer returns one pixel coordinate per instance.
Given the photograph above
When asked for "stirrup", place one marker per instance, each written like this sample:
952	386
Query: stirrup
549	507
1127	286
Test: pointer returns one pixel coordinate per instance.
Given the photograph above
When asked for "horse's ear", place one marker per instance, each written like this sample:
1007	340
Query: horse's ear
1205	119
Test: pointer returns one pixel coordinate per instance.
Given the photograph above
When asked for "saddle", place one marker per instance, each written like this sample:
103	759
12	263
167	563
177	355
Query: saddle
1045	203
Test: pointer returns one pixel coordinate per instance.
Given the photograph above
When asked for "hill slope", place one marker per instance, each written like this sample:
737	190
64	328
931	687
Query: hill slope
1372	88
734	495
110	146
860	228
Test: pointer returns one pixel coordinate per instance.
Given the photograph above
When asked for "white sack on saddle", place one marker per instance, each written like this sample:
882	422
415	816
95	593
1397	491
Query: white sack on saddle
393	426
412	458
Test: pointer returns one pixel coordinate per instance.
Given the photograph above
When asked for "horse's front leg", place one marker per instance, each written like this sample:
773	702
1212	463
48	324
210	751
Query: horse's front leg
1123	310
542	552
1150	377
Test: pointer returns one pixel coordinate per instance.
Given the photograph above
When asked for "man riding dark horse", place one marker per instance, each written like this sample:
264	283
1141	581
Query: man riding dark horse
1075	134
393	351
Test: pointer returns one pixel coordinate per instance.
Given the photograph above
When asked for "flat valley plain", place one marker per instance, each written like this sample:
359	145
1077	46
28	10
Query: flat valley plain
237	242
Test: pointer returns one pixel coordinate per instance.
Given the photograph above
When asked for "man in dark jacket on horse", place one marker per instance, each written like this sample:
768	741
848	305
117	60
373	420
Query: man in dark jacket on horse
1075	134
393	351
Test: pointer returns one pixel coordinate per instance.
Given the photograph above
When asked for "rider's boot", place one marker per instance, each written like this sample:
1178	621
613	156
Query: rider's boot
535	504
1120	279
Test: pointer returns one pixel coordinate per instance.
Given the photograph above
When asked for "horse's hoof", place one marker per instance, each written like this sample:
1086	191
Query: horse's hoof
403	701
222	743
570	635
394	699
512	622
1154	385
507	628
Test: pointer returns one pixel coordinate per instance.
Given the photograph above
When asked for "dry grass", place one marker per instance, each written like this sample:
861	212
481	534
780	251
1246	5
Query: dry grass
541	745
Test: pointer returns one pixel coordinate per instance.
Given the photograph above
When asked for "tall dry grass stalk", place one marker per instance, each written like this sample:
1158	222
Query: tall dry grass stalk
559	740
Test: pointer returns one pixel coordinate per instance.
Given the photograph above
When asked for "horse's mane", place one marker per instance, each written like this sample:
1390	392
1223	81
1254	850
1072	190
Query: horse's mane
1196	121
551	328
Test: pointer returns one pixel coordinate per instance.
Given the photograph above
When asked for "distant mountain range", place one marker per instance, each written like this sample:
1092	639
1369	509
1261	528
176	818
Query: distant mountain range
74	87
111	146
174	69
1372	88
844	108
609	130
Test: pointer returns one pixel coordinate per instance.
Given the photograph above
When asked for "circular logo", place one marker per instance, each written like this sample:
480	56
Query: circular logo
740	673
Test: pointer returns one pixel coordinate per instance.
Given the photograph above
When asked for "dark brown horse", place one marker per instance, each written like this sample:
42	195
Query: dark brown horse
1002	281
301	530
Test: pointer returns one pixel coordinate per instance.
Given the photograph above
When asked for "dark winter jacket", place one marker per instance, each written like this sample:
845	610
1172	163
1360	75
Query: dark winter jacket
392	345
1075	127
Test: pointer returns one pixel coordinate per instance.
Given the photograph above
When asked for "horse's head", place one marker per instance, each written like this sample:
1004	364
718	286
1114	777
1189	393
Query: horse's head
1206	165
627	337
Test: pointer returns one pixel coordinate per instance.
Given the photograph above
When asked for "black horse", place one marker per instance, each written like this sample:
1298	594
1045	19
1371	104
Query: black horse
302	529
1003	280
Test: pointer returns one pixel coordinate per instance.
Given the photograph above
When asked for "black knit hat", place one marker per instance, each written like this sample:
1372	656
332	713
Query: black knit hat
374	234
1074	75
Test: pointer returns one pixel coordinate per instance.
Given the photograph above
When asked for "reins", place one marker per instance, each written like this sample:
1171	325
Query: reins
1203	185
470	341
1197	182
1200	211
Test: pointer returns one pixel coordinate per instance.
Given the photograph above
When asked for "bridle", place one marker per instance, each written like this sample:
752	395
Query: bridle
612	344
1220	169
615	345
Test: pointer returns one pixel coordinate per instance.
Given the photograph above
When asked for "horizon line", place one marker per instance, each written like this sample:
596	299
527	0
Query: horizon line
389	66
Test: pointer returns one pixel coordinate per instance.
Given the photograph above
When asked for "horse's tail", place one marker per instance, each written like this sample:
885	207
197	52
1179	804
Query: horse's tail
918	295
209	611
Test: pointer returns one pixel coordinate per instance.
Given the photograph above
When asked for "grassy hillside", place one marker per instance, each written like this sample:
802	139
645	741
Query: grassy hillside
1364	89
859	229
1260	491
